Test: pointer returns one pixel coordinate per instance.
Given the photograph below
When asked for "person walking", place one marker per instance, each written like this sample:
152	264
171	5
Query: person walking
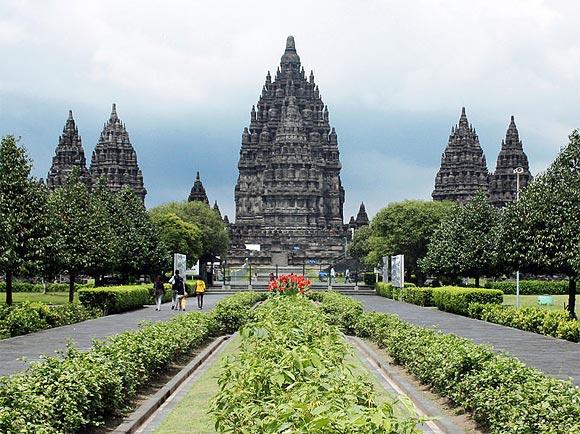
199	292
176	283
347	276
158	291
332	275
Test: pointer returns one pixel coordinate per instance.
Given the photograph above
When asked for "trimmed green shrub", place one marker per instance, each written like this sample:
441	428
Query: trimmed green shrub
291	376
115	299
76	392
232	312
29	317
419	296
531	287
556	323
457	300
501	392
341	311
18	286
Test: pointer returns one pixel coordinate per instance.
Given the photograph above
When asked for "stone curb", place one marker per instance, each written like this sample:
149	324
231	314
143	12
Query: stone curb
424	405
143	412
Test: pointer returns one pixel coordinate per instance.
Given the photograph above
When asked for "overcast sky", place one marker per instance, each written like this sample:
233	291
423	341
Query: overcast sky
395	74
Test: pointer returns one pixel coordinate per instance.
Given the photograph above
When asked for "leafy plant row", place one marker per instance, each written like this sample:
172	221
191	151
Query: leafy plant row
499	391
78	390
291	376
556	323
39	287
115	299
531	287
31	317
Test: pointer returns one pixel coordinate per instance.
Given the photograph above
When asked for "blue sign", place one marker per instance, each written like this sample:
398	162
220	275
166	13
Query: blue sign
296	248
311	262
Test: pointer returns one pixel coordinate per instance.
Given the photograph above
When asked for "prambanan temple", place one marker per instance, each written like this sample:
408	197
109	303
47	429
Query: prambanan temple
289	196
464	170
114	158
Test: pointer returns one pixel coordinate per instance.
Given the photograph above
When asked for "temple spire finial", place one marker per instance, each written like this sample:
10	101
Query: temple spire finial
114	116
70	115
290	46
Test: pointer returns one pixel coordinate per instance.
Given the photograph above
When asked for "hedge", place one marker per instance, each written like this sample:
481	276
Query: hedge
292	376
457	300
410	293
554	323
28	317
499	391
341	311
19	286
76	392
228	313
115	299
531	287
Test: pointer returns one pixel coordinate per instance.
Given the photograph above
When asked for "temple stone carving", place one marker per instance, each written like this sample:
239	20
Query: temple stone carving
114	158
198	191
289	196
503	183
464	171
463	167
69	154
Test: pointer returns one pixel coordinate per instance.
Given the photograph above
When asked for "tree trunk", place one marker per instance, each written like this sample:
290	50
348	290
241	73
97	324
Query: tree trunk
9	287
71	287
572	297
477	281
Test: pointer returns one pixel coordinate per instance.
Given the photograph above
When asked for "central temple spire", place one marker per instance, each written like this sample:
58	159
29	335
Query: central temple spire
290	60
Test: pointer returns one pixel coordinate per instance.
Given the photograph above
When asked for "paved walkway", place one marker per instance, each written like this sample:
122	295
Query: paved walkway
47	342
552	356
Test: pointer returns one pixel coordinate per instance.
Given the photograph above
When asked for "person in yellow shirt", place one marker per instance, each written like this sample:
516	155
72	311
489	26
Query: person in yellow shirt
199	292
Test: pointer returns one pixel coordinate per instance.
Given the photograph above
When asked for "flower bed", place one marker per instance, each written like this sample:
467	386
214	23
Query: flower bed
289	284
291	376
556	323
27	317
457	300
115	299
231	313
76	392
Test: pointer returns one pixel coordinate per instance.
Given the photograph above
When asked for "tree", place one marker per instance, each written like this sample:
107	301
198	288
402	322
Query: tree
140	250
178	236
81	237
404	228
214	235
360	246
23	216
466	241
541	231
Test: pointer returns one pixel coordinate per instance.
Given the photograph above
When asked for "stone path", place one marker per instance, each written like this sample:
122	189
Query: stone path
552	356
47	342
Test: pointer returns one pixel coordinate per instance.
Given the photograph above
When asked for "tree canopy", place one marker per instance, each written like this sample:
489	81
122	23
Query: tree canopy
178	236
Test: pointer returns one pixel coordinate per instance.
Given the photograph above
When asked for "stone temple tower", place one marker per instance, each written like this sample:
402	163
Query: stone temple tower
69	153
115	159
502	188
198	191
463	167
289	197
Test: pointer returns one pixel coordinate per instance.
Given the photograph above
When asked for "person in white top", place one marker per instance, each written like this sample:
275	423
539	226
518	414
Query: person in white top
332	274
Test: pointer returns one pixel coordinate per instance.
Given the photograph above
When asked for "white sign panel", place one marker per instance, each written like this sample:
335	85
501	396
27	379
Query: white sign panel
398	271
385	269
179	263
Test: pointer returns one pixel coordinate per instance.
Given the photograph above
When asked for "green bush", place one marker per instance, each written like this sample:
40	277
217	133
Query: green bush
292	376
554	323
502	393
115	299
77	391
19	286
531	287
457	300
419	296
30	317
341	311
231	313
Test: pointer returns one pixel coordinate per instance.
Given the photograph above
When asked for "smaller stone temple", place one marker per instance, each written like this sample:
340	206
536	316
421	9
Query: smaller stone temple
503	182
198	192
69	154
114	158
464	171
362	219
463	167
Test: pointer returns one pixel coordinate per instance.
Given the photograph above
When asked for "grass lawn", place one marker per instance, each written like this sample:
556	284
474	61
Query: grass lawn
190	414
49	297
532	300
